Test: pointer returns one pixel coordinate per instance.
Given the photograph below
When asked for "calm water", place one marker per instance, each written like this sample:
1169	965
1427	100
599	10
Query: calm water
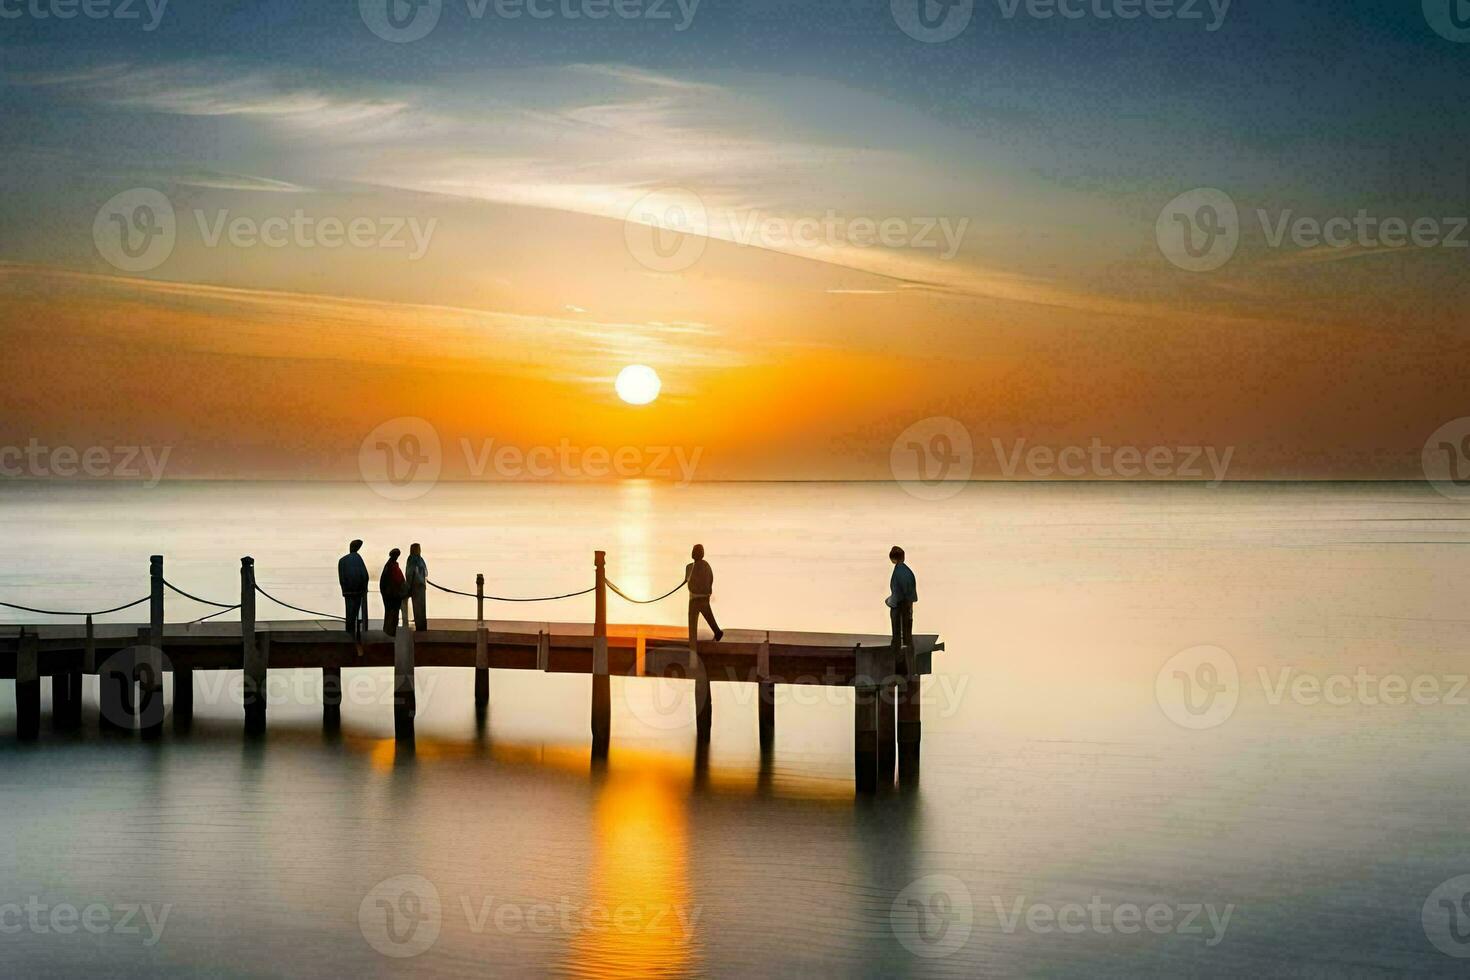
1065	824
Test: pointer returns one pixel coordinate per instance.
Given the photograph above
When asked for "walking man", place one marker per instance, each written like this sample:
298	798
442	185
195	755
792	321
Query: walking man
352	575
418	586
392	587
701	579
903	592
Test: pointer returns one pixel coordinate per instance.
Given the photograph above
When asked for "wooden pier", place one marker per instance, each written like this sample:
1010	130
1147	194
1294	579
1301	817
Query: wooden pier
133	660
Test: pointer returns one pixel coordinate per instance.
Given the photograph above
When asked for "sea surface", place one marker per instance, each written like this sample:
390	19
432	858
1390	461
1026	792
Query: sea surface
1176	730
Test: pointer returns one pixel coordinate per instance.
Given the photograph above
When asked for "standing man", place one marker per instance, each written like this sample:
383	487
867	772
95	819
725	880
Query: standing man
418	586
392	587
701	579
352	575
903	592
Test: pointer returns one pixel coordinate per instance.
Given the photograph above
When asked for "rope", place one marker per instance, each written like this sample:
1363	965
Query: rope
219	612
55	612
207	602
309	612
501	598
644	602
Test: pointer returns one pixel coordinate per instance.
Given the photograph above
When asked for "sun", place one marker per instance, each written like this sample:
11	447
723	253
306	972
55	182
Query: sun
638	384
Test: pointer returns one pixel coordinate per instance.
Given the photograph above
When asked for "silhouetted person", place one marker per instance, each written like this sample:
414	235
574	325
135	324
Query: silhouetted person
352	575
392	587
903	592
418	586
701	579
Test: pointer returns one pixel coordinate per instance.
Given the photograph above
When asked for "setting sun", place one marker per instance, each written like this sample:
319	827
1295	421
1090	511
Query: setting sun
638	384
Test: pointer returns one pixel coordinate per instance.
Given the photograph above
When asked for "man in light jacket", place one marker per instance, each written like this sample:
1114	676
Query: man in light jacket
352	576
701	579
417	571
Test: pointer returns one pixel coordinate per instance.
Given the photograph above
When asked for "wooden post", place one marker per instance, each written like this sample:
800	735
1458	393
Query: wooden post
703	709
865	735
601	684
183	707
888	714
766	696
27	687
256	653
114	685
331	691
767	693
482	644
405	704
66	700
909	721
149	668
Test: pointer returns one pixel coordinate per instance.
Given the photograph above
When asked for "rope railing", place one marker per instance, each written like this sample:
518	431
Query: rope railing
501	598
229	607
207	602
59	612
309	612
644	602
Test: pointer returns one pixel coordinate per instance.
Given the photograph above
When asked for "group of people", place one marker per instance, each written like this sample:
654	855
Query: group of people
395	584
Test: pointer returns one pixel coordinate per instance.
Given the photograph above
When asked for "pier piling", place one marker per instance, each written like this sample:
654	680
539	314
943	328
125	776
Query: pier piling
405	704
27	688
601	682
254	650
865	735
910	726
482	651
149	665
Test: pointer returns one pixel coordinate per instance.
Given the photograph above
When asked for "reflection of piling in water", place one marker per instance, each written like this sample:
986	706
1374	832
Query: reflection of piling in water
130	661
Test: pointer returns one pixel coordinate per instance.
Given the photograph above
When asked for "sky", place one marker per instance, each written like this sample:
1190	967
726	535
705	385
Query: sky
835	230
